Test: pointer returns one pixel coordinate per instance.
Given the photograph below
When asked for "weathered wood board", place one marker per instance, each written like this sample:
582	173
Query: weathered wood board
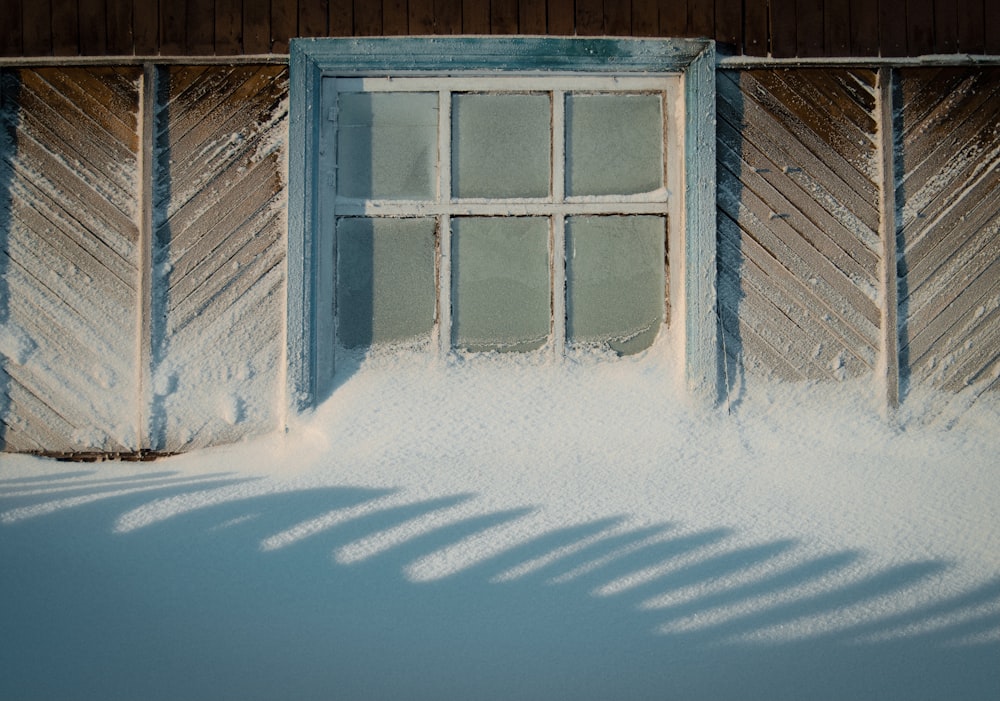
798	221
69	259
218	261
948	211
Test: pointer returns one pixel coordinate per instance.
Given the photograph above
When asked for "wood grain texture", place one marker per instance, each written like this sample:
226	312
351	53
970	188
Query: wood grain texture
219	239
948	195
228	27
313	18
799	249
475	16
36	24
69	266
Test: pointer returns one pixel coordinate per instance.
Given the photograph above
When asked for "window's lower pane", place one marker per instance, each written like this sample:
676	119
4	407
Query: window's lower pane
500	283
615	282
387	145
386	287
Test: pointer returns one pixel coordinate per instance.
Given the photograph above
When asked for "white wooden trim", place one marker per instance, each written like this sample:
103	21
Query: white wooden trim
494	209
510	83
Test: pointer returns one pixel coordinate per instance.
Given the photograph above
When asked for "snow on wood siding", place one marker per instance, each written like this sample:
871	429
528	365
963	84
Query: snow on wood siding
798	194
69	259
218	255
948	200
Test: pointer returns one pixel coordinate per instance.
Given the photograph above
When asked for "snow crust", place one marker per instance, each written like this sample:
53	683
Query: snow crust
513	526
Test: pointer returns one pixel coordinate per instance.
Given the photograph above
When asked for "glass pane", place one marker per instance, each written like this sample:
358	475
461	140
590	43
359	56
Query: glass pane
501	145
500	287
387	145
386	287
614	144
615	283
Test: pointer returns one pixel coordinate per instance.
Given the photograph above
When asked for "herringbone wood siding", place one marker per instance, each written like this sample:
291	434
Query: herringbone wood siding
219	246
69	259
798	219
948	198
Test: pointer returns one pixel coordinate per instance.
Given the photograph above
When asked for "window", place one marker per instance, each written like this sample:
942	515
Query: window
499	195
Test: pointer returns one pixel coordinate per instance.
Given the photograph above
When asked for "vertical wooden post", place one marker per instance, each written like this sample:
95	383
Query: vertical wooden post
147	162
888	366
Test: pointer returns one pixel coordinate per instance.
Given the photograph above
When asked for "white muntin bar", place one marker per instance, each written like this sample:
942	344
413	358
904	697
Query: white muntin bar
444	223
522	83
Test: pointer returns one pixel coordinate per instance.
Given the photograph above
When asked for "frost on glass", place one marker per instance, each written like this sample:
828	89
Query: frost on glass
387	145
501	145
500	283
614	144
615	281
386	288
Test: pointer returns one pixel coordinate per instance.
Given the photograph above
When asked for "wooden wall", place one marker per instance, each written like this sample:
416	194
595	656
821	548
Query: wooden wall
781	28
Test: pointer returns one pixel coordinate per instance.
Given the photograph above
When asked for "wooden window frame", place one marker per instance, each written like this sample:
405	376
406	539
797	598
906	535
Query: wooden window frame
310	277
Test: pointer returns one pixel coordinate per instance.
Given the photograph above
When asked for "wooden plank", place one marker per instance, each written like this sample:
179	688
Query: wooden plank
809	28
701	18
945	28
673	18
589	17
199	29
367	18
971	29
837	27
755	27
729	26
475	17
256	27
919	27
284	24
37	28
503	17
888	368
228	27
121	40
313	18
173	19
864	28
93	30
145	28
448	16
991	28
784	40
395	19
420	17
561	17
341	18
531	17
617	18
645	18
10	28
892	28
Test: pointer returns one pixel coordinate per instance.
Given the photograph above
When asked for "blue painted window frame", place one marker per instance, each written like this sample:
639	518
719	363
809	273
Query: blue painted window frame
309	330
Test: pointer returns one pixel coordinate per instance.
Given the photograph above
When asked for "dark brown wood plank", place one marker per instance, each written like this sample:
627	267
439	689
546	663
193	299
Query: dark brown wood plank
448	16
645	18
503	17
589	17
919	27
199	32
256	27
93	30
10	30
119	23
673	18
617	18
284	24
784	40
701	18
145	28
809	31
892	28
991	28
531	17
419	13
561	17
313	18
837	27
864	28
729	25
755	27
945	27
173	18
475	16
341	18
36	23
395	20
367	18
228	27
971	32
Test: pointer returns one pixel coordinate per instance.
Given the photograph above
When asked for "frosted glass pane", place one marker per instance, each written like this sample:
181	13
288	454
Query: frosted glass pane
387	145
501	145
615	284
614	144
500	283
386	288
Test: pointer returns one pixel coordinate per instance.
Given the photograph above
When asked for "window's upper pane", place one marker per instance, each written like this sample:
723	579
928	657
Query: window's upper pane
387	145
386	283
500	283
501	145
615	280
614	144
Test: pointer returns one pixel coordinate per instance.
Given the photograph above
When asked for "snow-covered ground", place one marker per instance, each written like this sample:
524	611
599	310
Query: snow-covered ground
514	528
